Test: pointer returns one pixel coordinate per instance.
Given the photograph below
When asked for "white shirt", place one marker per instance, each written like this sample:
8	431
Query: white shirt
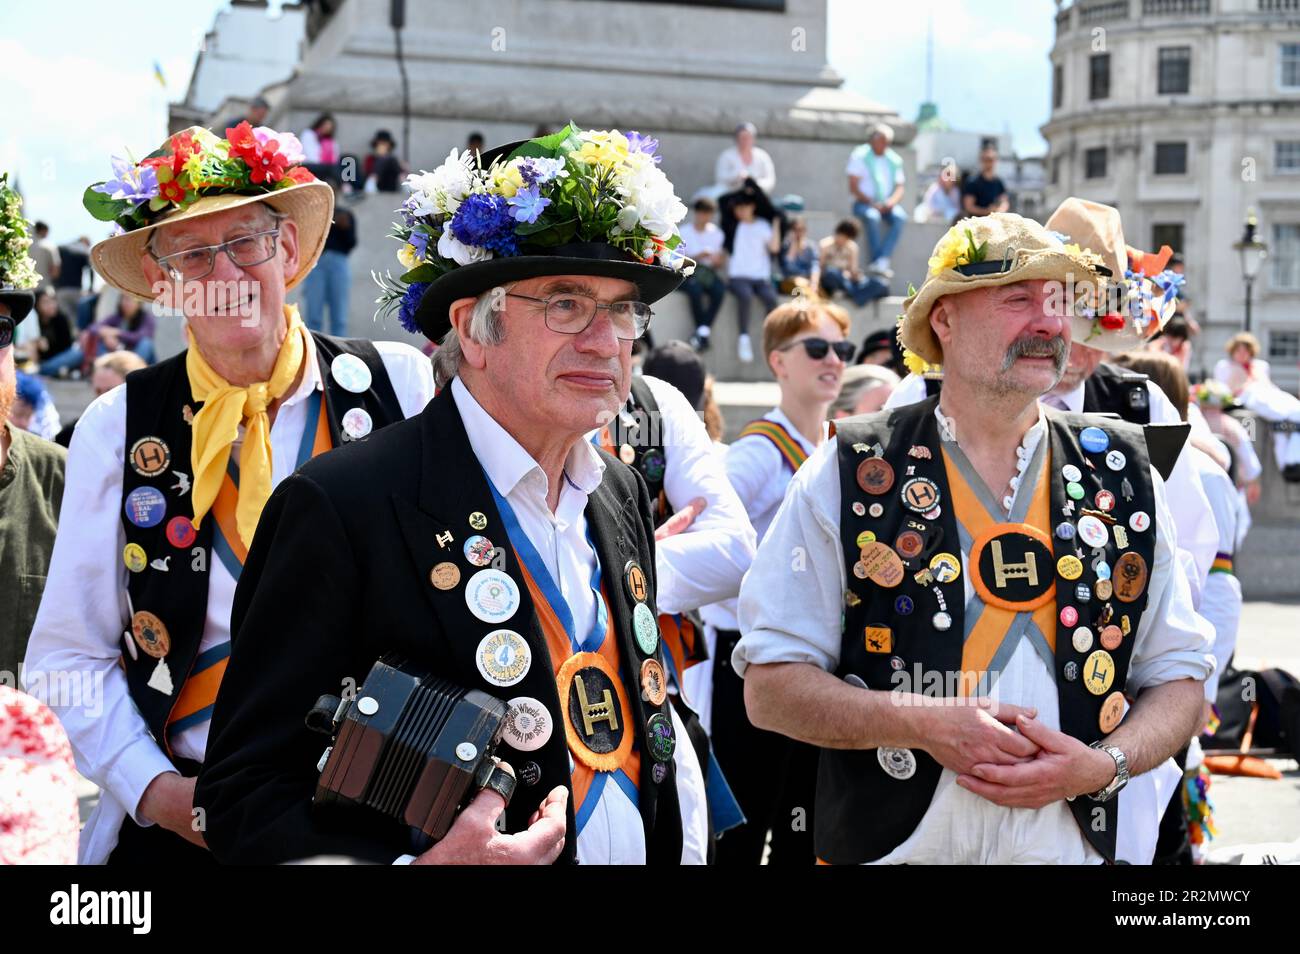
1221	599
85	612
1171	643
614	833
695	241
730	171
750	257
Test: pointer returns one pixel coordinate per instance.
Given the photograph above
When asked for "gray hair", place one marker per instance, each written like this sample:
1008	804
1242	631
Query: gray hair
883	129
858	380
276	218
485	328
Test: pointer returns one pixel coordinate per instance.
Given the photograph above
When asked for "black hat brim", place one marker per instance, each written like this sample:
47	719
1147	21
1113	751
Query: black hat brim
597	259
20	302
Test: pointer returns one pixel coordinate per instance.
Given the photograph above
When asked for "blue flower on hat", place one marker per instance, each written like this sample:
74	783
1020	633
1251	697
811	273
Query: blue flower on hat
410	301
486	221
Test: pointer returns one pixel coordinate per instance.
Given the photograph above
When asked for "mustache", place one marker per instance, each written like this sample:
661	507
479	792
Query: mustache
1036	347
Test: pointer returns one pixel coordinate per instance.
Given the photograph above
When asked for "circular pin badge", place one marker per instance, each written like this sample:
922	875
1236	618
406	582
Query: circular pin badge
1070	567
150	634
1094	439
491	596
1116	460
1081	640
1065	531
528	725
351	373
920	494
875	510
860	570
634	577
1071	473
946	567
1105	501
646	628
1074	490
895	663
903	606
477	521
859	510
150	456
1010	567
1111	637
595	710
1092	531
1082	592
875	475
659	772
627	454
659	737
1105	589
882	565
909	544
134	557
145	506
1069	616
941	621
1112	711
1071	671
1130	577
503	656
653	465
654	684
478	551
898	763
1103	576
445	575
1139	520
863	538
530	773
357	423
1098	672
933	513
181	532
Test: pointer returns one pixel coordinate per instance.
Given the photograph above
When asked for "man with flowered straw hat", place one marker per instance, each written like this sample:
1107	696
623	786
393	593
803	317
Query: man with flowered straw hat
490	540
169	473
981	583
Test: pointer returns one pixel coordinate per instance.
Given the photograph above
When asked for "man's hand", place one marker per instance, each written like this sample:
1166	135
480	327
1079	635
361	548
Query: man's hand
168	801
965	733
474	840
1064	767
682	519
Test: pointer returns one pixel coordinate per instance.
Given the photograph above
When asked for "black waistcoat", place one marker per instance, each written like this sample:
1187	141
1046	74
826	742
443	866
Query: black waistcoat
156	399
641	429
1115	390
863	813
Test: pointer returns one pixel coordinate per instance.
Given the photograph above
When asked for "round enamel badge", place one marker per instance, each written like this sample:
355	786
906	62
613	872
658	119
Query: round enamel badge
503	657
351	373
646	628
357	423
898	763
492	596
528	725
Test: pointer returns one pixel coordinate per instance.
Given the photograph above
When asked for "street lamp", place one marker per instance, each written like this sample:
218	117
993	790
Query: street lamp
1252	252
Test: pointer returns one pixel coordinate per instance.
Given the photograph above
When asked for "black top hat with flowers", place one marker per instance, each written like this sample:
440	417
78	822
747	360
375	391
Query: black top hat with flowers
18	275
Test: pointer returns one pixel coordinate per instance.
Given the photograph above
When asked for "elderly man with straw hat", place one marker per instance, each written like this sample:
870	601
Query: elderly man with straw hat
168	473
984	585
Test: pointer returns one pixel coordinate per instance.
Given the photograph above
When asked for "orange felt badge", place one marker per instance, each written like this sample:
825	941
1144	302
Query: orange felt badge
1013	567
598	727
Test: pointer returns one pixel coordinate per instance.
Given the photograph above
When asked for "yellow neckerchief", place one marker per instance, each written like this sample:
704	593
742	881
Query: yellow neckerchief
216	426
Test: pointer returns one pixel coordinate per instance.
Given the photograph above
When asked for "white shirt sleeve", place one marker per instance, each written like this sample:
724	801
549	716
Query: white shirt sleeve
792	598
909	391
750	463
411	374
764	170
705	563
72	662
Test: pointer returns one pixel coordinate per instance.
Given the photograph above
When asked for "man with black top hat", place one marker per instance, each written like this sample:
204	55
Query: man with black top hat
31	469
489	540
168	473
984	585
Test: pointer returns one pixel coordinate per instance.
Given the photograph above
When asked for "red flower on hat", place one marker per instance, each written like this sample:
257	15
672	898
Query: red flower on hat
268	167
1112	322
171	190
243	144
299	174
183	147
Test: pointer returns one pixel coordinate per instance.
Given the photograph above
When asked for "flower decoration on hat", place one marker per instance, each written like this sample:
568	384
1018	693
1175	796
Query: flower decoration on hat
192	164
957	248
1213	393
573	186
1145	298
17	270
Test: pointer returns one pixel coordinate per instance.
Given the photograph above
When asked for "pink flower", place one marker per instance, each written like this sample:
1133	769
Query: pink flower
290	147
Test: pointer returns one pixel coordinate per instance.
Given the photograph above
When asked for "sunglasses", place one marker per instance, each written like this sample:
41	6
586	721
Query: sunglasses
6	331
818	348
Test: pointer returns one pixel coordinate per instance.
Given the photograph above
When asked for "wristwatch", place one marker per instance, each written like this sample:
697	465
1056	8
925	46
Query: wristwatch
1121	773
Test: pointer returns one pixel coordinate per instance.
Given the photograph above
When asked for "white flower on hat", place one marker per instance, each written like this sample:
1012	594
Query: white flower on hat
451	247
645	187
446	187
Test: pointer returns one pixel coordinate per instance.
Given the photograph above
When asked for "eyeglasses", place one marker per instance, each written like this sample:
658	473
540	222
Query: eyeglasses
572	314
245	251
6	331
818	348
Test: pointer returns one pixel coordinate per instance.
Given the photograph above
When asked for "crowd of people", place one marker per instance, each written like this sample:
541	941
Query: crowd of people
945	602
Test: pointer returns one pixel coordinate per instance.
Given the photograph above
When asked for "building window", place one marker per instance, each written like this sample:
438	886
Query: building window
1167	233
1171	158
1289	58
1285	255
1094	163
1284	346
1286	155
1099	76
1058	86
1174	71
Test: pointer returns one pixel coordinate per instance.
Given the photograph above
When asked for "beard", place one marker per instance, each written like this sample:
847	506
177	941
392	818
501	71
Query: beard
8	392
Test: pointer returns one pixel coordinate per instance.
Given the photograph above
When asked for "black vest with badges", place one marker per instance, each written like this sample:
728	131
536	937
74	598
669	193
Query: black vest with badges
1115	390
863	811
157	401
639	429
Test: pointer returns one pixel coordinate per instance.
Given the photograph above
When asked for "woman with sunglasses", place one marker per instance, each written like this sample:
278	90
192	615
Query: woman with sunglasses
772	776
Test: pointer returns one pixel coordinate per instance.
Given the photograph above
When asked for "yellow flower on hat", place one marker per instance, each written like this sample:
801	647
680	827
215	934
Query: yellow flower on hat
956	248
408	256
507	179
914	362
603	148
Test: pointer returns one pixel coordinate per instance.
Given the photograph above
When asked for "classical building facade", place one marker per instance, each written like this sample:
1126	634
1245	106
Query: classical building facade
1185	114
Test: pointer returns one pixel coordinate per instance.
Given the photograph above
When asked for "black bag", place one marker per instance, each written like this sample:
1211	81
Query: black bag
1277	726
